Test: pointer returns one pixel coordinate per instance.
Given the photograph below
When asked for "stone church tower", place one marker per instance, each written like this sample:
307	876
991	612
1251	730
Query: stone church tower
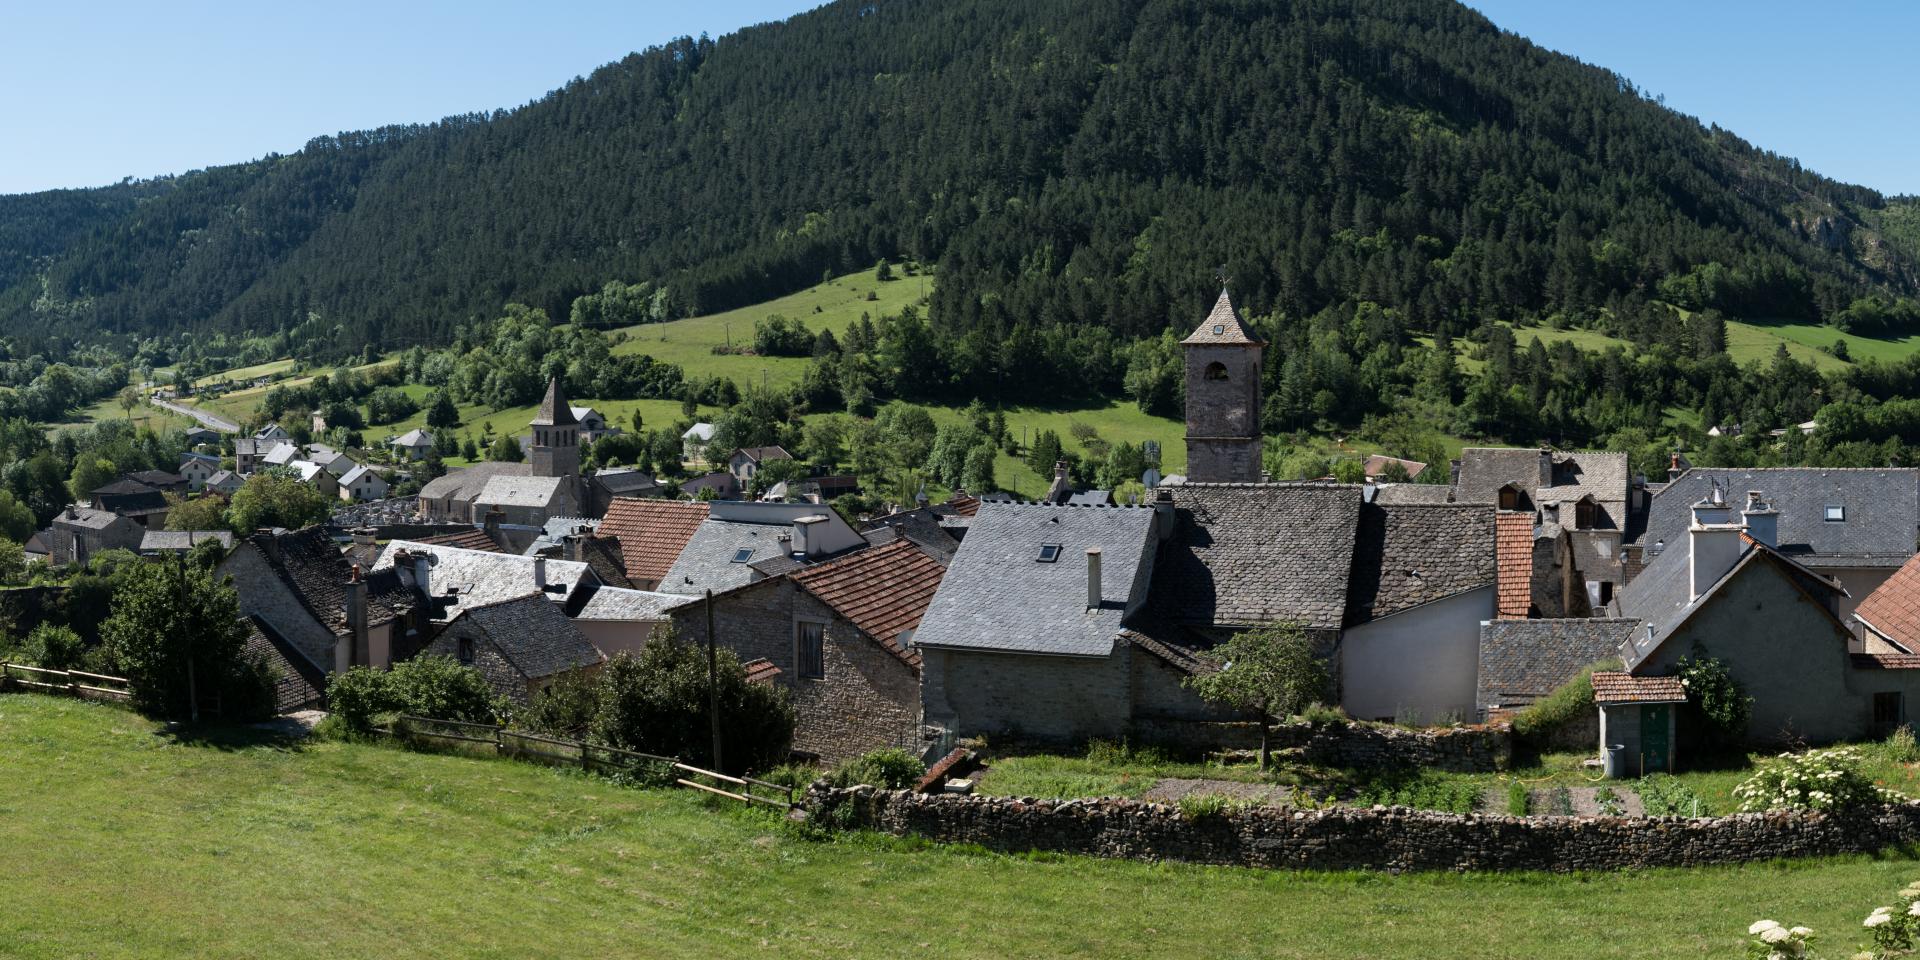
1223	398
556	436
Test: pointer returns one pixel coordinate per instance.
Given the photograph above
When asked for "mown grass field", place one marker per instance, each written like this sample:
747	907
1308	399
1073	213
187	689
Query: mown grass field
831	305
239	405
1815	336
119	842
145	415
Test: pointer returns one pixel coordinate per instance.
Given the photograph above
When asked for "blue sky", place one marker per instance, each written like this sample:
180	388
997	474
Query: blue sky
91	93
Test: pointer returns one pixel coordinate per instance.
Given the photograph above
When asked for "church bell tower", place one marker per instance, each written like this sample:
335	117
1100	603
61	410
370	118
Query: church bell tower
556	436
1223	398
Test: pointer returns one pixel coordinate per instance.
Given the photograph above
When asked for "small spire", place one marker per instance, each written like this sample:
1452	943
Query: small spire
1223	325
554	411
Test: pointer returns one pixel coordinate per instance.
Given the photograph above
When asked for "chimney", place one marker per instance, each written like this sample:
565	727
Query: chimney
1062	489
574	547
1546	467
1713	542
363	536
491	524
804	543
1673	467
423	572
356	611
269	544
540	571
1093	578
1763	521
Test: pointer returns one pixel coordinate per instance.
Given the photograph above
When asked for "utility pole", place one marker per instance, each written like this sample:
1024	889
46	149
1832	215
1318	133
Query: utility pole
713	683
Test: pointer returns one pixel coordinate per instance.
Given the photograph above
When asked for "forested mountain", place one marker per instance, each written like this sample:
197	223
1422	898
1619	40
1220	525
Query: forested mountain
1062	163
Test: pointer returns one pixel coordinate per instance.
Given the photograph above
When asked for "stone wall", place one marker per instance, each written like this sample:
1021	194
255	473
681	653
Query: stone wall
1028	697
1469	749
1349	838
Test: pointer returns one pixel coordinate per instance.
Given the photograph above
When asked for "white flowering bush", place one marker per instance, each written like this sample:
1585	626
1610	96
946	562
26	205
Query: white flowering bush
1817	780
1772	941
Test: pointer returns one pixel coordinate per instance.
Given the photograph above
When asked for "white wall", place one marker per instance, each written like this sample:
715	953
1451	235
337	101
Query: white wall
615	637
1422	661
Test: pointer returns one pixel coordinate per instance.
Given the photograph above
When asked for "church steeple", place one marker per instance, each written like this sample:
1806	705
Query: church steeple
556	435
1223	398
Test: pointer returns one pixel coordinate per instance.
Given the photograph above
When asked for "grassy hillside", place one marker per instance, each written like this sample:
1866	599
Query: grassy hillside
118	841
1816	336
831	305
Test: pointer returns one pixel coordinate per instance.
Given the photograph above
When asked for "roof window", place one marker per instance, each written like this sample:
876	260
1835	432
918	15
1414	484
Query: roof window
743	554
1219	328
1836	513
1049	552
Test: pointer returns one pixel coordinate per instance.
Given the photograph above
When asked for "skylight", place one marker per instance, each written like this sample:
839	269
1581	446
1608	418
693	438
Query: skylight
1049	552
743	554
1836	513
1219	328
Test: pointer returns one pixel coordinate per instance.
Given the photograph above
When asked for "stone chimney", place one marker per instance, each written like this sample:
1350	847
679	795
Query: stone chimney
1713	542
1093	578
804	543
540	571
1062	489
364	536
269	544
1762	520
1546	468
1674	470
491	523
356	612
423	572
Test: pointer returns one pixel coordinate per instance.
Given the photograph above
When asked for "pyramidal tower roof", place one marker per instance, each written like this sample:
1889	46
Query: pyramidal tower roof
1223	326
554	411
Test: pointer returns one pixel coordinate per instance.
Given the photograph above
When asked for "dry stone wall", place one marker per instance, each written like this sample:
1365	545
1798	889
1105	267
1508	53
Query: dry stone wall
1350	838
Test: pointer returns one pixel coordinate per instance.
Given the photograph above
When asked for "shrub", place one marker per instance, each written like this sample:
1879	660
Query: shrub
1895	930
1818	780
1123	753
1199	806
1772	941
1662	795
355	695
1900	746
442	689
1715	697
1569	701
54	647
1422	791
565	708
1322	715
1609	801
1517	798
886	769
657	703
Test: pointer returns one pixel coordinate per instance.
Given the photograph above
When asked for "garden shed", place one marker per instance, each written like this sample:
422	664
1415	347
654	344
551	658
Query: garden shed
1637	721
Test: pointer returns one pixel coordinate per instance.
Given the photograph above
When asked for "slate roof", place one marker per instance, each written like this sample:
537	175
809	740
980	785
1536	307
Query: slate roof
1405	556
300	683
1223	326
125	486
479	577
713	558
604	556
86	518
283	453
147	500
347	479
1091	498
467	482
651	533
996	595
1661	595
157	478
882	590
556	530
1882	511
220	479
619	480
554	410
1612	687
313	568
154	541
1524	660
920	525
763	454
1513	550
701	432
413	438
522	491
1388	494
618	603
1892	610
532	633
1603	475
471	538
1250	554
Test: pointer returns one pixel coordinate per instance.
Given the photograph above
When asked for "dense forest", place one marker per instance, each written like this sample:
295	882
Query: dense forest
1069	168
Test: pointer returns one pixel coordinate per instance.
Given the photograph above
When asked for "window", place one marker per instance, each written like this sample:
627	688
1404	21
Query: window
1219	328
1836	513
1583	515
1606	592
1216	371
743	554
1049	552
1509	498
1887	709
810	655
466	650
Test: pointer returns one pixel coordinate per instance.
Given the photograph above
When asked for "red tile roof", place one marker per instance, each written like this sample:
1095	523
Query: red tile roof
882	590
651	533
1513	553
966	506
1611	686
473	539
1893	609
761	670
1886	661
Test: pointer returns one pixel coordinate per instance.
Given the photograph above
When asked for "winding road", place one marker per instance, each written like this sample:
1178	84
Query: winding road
209	420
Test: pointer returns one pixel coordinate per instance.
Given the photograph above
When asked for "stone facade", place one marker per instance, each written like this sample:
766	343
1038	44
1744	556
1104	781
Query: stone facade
263	594
1035	697
501	674
867	699
1352	838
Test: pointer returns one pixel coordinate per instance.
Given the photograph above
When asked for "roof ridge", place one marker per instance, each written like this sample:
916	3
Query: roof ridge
476	608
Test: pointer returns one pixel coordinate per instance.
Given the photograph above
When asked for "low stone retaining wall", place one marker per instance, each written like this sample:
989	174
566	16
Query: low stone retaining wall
1366	746
1350	838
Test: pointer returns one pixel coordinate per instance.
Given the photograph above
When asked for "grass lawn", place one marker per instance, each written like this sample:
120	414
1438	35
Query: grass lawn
238	405
243	374
1816	336
831	305
1747	342
145	415
117	842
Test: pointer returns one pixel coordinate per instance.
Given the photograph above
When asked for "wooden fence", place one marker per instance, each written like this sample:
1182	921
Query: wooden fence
592	757
76	683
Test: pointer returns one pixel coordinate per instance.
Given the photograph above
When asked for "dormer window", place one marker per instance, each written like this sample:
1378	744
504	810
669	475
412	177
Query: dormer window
1049	552
1509	498
1836	513
1583	515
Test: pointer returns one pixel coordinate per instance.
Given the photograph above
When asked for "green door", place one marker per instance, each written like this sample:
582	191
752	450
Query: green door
1654	748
